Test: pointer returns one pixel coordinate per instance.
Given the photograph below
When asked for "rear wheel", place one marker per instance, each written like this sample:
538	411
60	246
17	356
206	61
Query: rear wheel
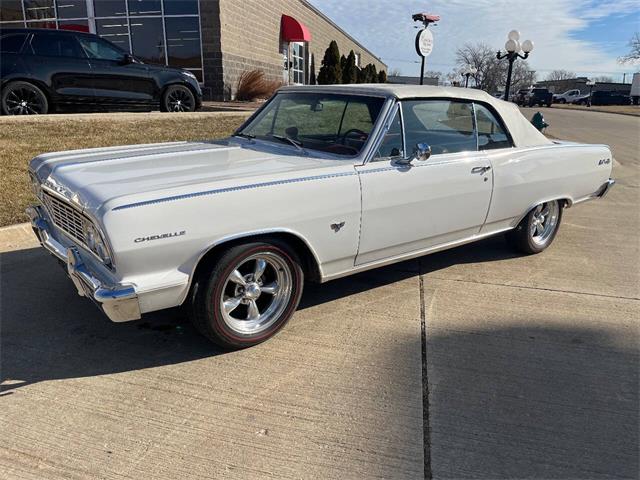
537	230
23	98
178	98
248	295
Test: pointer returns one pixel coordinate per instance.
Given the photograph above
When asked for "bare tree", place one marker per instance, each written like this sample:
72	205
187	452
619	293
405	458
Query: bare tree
394	72
634	54
480	56
560	75
491	74
603	79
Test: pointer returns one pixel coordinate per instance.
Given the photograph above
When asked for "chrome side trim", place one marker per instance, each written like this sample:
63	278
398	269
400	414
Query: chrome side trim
410	255
232	189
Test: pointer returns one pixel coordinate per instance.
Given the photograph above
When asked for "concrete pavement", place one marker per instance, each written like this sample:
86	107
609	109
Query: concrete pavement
532	366
533	362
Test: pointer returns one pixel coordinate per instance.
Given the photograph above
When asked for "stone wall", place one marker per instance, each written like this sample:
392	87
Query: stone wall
249	38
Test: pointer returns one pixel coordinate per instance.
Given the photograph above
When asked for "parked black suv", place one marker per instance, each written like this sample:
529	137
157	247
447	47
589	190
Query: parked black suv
535	96
45	70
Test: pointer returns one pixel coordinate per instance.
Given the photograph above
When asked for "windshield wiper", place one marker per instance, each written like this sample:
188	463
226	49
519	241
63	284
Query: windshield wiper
244	135
287	139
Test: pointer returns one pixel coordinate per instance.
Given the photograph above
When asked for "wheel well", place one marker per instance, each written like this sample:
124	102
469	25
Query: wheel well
309	265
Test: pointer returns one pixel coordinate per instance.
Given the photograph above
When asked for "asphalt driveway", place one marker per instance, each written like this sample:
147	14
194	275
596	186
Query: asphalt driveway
473	362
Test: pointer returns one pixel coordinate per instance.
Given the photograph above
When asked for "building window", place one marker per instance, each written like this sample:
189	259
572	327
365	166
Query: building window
183	43
180	7
72	8
145	7
11	11
75	25
115	30
39	9
109	8
147	39
297	63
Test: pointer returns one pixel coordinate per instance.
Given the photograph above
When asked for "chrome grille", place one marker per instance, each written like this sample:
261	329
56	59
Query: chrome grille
65	217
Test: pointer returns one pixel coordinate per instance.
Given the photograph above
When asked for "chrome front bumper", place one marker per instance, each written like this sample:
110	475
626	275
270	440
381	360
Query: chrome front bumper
118	301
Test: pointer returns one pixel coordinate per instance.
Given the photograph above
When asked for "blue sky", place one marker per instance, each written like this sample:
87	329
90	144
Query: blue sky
583	36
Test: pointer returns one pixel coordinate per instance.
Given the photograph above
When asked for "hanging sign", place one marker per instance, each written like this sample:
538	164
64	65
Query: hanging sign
424	42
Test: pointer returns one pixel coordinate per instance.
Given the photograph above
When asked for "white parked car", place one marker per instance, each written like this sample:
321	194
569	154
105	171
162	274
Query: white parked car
567	97
320	183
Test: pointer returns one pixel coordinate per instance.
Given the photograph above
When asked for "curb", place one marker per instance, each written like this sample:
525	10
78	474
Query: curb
17	237
637	115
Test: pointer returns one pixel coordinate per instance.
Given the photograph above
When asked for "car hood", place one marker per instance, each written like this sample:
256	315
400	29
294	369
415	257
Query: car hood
105	178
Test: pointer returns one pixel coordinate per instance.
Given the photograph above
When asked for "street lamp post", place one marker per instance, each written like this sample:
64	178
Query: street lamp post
467	72
513	48
590	84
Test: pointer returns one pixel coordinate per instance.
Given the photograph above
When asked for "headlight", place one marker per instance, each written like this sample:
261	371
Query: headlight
96	243
35	185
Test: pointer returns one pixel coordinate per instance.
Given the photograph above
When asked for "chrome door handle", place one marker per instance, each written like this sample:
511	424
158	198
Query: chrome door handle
480	169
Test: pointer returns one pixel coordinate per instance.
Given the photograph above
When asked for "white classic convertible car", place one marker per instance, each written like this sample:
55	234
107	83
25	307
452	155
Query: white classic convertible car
320	183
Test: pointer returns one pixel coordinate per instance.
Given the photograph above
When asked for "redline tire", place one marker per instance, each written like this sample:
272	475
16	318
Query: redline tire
208	305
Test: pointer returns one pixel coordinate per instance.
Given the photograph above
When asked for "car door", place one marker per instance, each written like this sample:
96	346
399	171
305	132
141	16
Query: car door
117	80
57	59
444	199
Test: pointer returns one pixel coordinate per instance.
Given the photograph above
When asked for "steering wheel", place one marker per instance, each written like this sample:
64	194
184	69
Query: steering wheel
364	135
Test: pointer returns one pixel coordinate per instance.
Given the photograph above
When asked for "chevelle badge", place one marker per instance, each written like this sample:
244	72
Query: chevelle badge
161	236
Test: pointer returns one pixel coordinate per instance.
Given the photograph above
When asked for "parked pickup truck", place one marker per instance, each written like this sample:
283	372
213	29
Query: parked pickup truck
567	97
535	96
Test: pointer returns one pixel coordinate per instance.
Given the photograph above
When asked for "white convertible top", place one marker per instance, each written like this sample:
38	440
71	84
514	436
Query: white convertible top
523	133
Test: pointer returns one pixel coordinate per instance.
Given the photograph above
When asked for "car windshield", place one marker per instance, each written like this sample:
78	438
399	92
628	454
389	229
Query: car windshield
334	123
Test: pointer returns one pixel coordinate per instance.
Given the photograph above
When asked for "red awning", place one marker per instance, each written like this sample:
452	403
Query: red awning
294	31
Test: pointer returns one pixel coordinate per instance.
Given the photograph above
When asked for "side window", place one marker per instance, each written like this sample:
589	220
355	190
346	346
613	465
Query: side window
446	126
99	49
491	135
53	45
391	145
12	43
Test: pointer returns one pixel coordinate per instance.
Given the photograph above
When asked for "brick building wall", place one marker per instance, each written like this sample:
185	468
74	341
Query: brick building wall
240	36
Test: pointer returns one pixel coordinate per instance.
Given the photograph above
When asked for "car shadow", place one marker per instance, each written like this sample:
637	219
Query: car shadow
530	399
47	332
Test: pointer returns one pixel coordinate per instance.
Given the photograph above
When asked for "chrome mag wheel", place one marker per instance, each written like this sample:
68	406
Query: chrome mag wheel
180	100
23	99
256	293
544	222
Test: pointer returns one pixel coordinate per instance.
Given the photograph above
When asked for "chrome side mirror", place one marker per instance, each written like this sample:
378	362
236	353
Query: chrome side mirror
421	154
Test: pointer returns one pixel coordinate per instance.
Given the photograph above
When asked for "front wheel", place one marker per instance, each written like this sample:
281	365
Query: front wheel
537	230
248	295
178	98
